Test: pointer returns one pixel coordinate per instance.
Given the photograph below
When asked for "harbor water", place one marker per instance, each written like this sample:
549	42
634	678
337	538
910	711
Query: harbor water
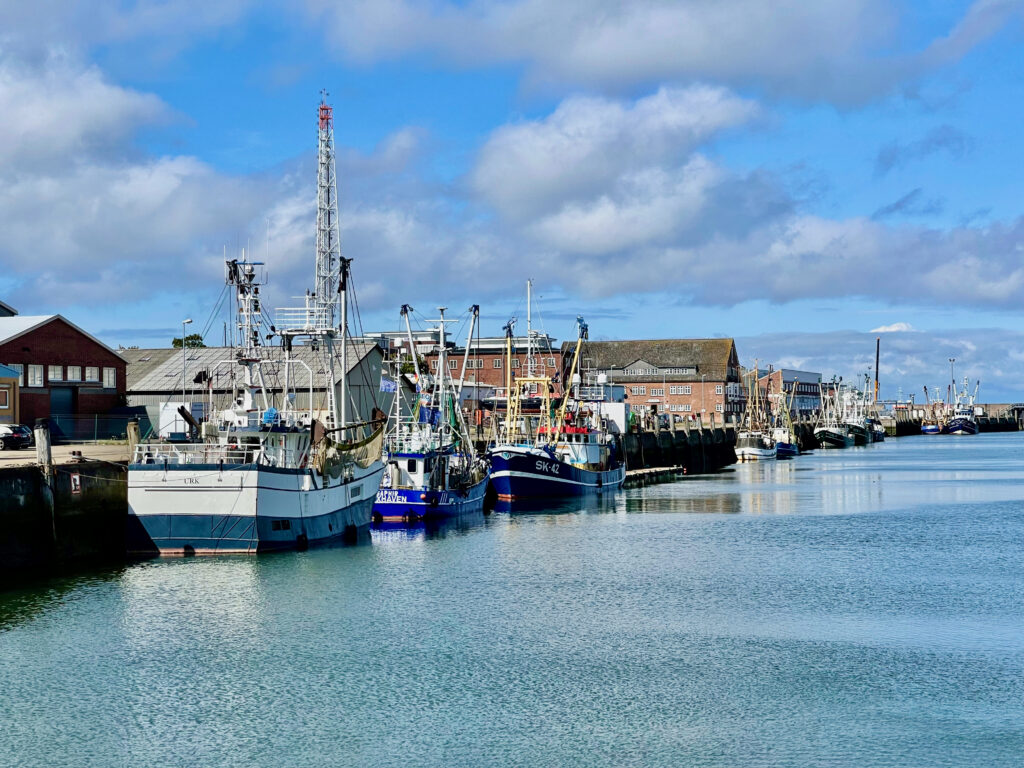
862	607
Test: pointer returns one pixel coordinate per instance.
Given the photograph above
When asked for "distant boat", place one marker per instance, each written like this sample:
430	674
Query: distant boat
831	432
963	421
754	445
934	421
754	440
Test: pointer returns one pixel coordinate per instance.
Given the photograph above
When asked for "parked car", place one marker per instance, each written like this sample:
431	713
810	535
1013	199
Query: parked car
15	436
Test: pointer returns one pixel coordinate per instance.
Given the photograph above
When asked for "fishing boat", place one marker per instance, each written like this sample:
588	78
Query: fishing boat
433	471
963	420
832	431
566	449
754	441
854	417
935	418
262	476
783	432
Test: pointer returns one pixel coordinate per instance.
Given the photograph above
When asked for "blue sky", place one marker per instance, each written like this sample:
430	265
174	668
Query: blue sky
795	175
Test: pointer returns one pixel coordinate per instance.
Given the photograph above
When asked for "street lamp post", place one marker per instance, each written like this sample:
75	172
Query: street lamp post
186	321
702	393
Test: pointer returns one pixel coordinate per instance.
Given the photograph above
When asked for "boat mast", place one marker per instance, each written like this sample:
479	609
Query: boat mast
529	329
331	270
474	313
442	365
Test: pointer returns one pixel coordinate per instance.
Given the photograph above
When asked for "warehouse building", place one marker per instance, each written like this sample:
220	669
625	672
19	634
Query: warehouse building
62	370
213	375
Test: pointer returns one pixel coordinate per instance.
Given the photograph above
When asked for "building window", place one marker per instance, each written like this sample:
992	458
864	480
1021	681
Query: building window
718	389
687	389
687	407
551	362
659	392
719	407
21	373
35	375
638	390
453	364
55	372
5	397
515	362
496	362
110	378
92	373
74	373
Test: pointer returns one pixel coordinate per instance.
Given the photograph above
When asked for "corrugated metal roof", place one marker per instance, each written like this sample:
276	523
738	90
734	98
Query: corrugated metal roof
159	370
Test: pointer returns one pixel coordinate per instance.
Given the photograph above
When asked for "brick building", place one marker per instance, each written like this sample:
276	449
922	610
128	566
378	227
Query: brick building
486	366
801	388
61	369
682	377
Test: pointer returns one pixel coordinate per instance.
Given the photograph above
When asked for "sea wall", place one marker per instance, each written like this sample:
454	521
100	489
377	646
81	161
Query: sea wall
76	513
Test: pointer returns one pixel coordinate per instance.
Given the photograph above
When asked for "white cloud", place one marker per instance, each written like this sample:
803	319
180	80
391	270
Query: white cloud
893	328
586	144
829	49
33	29
59	113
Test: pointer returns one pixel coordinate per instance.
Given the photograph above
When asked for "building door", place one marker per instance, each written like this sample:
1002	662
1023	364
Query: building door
62	401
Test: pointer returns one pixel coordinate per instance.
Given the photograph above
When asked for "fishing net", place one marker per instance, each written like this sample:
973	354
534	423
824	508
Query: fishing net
332	458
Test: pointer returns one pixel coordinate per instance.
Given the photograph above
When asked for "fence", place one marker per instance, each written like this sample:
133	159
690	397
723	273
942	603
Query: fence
77	428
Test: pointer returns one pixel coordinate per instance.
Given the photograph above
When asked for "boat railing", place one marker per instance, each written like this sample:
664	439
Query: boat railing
201	453
303	318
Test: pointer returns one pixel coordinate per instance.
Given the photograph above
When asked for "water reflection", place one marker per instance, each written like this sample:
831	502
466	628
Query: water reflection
23	599
425	530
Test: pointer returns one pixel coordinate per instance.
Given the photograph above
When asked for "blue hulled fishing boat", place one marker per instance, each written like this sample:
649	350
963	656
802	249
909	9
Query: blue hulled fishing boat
433	471
568	453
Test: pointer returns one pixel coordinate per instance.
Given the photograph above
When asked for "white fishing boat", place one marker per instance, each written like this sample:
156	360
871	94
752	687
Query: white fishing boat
261	476
754	440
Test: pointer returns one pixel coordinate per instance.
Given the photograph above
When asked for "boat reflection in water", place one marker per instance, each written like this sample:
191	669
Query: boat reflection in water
569	505
430	528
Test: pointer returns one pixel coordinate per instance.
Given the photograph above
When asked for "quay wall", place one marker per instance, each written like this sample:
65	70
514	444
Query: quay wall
76	513
653	456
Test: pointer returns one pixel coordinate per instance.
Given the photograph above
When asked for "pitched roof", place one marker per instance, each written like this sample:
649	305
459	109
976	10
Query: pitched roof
18	325
7	309
711	357
159	370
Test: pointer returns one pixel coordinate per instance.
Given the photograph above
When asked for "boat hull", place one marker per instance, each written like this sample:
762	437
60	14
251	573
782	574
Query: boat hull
860	435
786	450
409	504
831	438
931	429
530	474
755	454
243	509
962	427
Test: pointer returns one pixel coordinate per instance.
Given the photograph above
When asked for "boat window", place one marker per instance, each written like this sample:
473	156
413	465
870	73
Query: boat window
411	465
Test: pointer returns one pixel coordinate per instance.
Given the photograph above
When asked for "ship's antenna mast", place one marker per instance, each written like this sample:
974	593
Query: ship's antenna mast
328	238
